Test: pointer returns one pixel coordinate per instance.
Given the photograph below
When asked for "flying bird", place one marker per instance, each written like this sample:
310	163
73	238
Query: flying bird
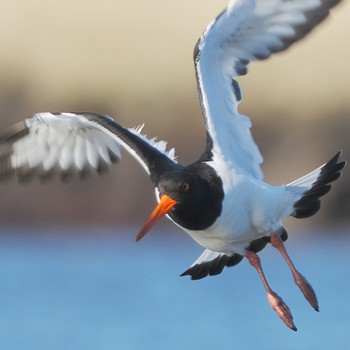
221	199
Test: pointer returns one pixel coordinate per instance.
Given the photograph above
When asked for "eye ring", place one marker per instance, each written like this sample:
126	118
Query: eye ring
185	186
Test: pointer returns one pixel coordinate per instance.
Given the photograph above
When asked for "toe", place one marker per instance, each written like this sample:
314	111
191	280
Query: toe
281	309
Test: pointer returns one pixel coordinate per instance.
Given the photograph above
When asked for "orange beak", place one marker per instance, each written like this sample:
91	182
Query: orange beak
164	206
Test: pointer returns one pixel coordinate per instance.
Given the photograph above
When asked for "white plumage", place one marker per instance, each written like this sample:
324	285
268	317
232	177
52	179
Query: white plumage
248	30
66	141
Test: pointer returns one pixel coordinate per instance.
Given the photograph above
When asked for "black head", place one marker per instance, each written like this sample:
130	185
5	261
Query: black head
181	186
193	199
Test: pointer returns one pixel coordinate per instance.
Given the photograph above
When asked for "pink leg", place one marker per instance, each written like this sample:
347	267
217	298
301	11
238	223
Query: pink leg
299	279
273	298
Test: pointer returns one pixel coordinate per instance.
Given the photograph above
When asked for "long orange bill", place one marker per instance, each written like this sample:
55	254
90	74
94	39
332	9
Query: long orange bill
164	206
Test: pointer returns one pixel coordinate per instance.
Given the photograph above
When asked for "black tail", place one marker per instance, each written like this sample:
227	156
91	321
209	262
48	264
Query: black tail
310	203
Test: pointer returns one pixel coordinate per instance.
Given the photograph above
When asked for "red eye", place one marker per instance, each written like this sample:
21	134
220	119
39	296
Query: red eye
185	186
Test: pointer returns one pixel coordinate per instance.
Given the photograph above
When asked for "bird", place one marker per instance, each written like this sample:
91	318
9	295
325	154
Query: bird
221	199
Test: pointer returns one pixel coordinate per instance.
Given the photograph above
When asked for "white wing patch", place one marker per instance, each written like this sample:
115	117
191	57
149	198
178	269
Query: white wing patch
207	255
65	142
69	143
247	30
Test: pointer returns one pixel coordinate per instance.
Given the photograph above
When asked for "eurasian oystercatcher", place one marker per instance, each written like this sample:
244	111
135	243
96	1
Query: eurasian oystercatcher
220	200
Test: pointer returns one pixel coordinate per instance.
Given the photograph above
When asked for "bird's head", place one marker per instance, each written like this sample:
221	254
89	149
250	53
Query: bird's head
175	190
187	198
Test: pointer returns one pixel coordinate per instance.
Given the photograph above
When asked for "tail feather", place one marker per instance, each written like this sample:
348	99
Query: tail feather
315	185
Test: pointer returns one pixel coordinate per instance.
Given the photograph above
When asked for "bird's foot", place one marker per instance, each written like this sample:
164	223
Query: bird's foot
299	279
307	290
281	309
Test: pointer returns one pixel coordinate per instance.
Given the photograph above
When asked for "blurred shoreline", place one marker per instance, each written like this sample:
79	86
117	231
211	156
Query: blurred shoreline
135	64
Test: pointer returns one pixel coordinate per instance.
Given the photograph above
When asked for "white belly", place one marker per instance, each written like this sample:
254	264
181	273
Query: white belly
251	210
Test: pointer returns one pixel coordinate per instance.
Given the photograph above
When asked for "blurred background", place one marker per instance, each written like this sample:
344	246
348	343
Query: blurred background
133	61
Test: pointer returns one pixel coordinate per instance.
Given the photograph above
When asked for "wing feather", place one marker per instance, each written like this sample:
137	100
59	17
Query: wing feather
247	30
69	143
80	158
211	263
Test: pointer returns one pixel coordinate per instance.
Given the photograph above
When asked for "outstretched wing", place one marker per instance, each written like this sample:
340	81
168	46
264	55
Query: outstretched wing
247	30
70	143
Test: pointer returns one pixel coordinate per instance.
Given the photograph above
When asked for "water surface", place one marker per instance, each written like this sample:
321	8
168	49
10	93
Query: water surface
102	291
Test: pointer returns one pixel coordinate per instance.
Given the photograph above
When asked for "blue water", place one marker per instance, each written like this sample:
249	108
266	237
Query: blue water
102	291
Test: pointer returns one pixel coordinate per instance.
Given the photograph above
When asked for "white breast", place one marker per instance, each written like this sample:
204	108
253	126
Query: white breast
251	209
